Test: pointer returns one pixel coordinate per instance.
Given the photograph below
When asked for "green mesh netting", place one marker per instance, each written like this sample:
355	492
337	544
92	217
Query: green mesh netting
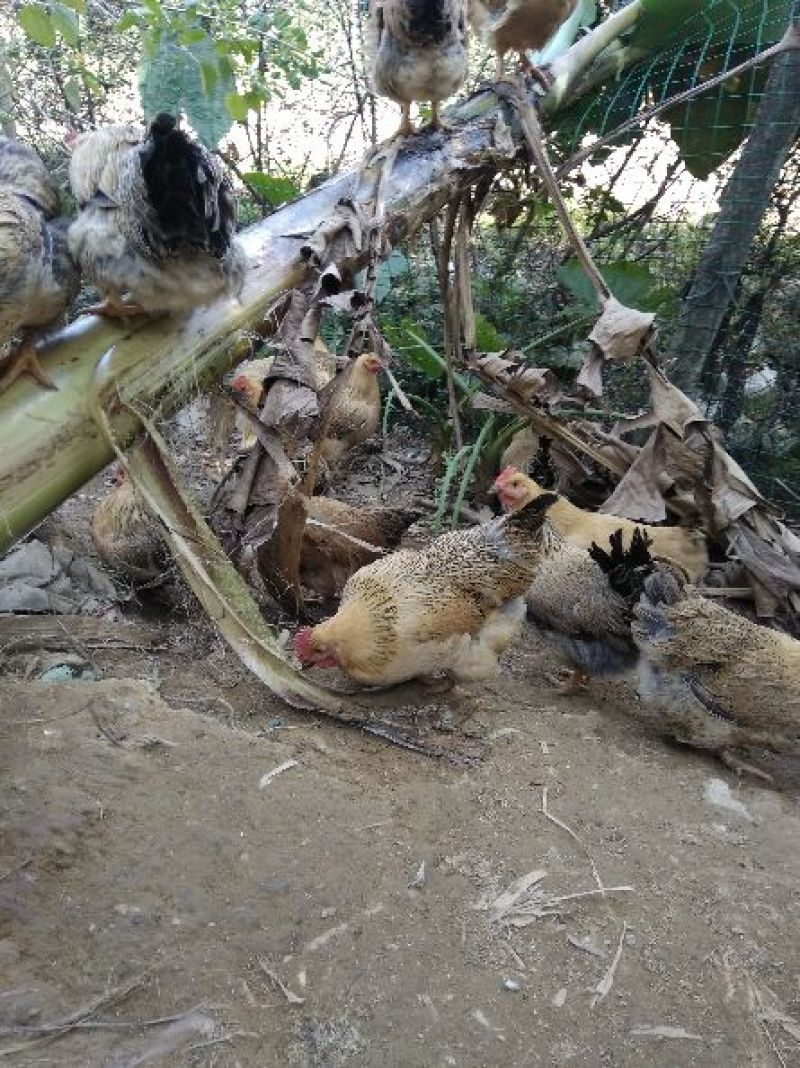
687	43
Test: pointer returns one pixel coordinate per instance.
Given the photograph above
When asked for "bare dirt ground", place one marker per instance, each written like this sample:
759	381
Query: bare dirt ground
165	901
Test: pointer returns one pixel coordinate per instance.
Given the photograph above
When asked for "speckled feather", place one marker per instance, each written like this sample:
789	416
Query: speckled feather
452	606
570	599
37	278
127	248
417	49
127	537
355	409
715	678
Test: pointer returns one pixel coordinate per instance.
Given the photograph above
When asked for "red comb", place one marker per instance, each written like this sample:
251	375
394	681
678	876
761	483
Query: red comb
302	645
505	475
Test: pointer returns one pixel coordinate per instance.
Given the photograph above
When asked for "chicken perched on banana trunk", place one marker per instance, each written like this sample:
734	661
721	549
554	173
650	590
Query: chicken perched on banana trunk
38	280
452	607
580	528
517	25
417	50
156	222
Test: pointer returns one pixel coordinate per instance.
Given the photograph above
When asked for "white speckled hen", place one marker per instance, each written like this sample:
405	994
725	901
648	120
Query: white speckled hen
417	50
452	607
38	279
155	229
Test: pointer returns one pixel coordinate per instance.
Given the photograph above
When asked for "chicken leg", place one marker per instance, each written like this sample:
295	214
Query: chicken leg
406	129
25	361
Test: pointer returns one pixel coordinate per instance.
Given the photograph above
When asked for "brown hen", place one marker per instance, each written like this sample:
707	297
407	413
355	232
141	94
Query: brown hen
350	407
517	25
452	607
340	538
128	538
580	528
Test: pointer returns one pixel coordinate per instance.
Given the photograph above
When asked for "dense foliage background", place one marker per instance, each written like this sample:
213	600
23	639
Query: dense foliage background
279	90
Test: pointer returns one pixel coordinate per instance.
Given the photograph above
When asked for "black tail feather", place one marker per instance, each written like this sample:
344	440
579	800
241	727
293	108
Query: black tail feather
625	569
429	21
194	206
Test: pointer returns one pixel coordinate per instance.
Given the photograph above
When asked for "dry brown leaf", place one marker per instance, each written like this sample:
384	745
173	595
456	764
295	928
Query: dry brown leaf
620	331
637	495
521	450
527	383
590	376
278	558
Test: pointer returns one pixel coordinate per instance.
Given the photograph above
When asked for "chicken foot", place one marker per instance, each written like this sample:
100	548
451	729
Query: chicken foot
115	307
539	74
25	361
436	684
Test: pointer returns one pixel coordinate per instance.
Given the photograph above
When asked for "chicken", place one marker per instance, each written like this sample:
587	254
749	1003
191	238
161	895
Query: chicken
572	603
685	547
248	384
452	607
517	25
38	280
128	538
350	407
156	222
716	680
340	538
417	50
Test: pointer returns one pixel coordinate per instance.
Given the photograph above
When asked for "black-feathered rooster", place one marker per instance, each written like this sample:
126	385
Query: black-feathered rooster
155	230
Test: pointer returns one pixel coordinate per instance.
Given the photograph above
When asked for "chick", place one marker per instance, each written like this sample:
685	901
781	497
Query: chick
128	538
517	25
716	680
580	528
155	229
417	50
38	280
350	407
451	607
